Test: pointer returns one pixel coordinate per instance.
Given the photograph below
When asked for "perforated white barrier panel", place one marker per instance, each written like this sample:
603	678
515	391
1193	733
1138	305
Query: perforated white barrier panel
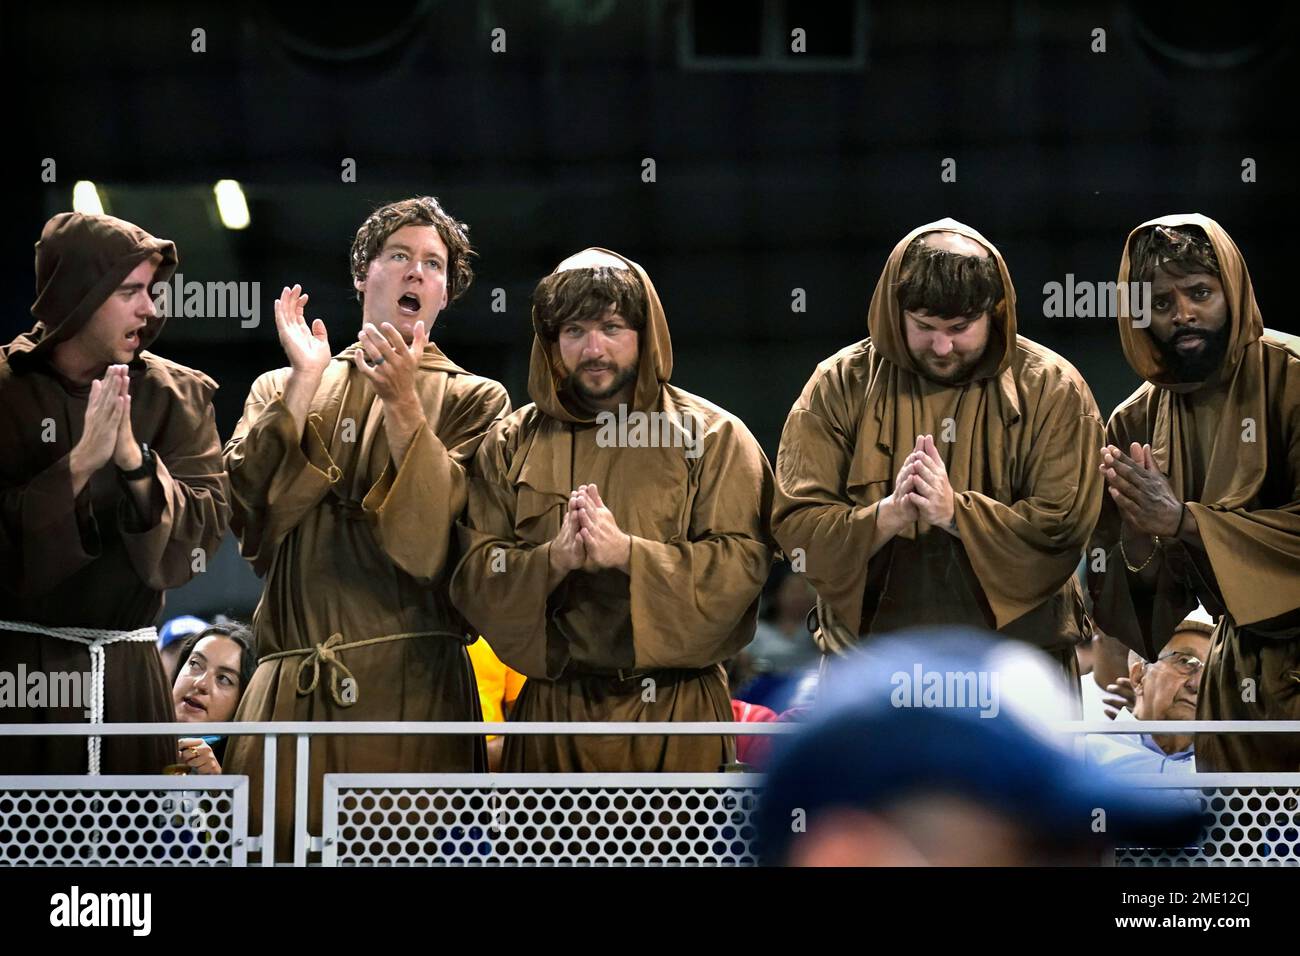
123	820
1249	826
503	819
539	819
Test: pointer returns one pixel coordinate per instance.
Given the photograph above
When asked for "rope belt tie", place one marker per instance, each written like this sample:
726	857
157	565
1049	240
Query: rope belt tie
324	653
94	639
328	655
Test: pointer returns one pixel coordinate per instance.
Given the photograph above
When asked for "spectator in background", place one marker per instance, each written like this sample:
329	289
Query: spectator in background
1165	689
882	776
214	667
498	689
751	749
172	636
782	642
1120	693
1103	676
798	695
783	648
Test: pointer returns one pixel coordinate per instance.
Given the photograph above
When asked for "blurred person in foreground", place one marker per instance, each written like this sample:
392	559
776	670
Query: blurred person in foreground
933	748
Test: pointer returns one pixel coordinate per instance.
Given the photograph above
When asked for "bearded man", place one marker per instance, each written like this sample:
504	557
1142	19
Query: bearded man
1202	468
616	539
936	473
113	492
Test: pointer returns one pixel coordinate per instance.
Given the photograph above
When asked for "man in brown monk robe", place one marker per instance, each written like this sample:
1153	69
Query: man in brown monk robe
113	491
616	539
936	473
347	473
1202	466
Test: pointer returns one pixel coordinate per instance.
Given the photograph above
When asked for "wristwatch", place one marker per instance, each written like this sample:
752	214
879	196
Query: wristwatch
148	465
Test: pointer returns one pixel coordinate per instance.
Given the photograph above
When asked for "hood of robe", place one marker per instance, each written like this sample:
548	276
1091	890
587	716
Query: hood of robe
1248	524
546	372
80	260
1247	324
900	403
885	319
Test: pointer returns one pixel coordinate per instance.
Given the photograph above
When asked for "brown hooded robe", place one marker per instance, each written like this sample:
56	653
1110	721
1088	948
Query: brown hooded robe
92	561
353	550
1230	447
1025	486
605	645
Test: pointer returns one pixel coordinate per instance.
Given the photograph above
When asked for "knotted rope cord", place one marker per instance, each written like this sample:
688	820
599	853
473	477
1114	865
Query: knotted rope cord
94	639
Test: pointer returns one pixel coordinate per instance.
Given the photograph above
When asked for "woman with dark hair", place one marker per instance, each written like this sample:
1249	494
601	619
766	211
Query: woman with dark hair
212	671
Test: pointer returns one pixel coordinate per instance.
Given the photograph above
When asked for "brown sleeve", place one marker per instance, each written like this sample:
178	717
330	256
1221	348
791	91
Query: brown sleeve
46	535
813	518
416	506
275	478
1024	552
1143	617
189	497
694	602
1255	554
499	584
1256	559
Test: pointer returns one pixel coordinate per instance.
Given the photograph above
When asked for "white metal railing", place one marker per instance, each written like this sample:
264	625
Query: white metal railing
302	731
146	820
539	819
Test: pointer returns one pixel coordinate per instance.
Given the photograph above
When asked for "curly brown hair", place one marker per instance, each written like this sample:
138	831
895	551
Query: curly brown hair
419	211
947	284
586	294
1180	251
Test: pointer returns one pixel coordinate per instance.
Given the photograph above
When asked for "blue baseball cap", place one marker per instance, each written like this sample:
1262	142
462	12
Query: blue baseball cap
960	713
179	628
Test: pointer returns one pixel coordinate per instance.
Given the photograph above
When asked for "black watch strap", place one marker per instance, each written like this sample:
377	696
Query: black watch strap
147	465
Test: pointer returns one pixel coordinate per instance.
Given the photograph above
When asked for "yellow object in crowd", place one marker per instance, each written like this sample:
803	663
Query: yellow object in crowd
498	685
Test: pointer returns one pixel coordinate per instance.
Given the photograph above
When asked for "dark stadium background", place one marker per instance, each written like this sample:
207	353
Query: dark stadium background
774	171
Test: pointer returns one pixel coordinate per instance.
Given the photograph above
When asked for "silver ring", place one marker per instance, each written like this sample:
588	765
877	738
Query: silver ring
377	362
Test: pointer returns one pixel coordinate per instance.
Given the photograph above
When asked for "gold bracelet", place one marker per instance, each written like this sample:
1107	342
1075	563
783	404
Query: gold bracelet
1154	548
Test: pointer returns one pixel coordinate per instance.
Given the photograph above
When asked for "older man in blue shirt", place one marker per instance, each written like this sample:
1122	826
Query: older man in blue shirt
1165	689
